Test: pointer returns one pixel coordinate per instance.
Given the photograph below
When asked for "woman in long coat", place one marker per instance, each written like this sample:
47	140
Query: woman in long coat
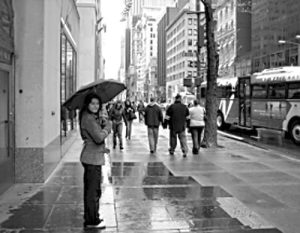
93	131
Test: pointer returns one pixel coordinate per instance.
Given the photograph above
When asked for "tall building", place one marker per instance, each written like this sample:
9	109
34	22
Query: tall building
232	34
181	53
273	21
168	17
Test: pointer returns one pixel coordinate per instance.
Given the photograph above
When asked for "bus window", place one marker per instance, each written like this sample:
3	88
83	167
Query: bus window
259	91
224	91
294	91
276	91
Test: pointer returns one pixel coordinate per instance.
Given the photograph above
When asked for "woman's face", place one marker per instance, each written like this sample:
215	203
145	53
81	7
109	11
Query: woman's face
94	105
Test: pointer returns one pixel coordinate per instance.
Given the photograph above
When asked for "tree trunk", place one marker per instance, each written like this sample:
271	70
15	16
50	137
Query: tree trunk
210	133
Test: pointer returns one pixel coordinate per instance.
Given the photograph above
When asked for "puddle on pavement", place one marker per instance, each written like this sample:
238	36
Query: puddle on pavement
146	197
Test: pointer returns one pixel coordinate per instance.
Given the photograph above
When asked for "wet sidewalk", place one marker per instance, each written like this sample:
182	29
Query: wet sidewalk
236	188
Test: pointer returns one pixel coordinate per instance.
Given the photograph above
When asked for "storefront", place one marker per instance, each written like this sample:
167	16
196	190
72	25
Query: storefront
38	71
6	96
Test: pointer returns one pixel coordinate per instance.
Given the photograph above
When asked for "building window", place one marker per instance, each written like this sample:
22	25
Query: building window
68	66
190	22
190	32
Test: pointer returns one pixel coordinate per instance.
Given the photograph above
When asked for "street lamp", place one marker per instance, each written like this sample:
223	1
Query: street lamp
292	43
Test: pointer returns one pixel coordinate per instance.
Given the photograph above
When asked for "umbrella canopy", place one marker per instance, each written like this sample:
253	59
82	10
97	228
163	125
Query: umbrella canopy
106	89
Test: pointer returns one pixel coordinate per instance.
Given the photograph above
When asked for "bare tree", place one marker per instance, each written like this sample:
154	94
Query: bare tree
210	133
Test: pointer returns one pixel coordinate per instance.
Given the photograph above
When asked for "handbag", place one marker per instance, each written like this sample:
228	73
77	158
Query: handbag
132	115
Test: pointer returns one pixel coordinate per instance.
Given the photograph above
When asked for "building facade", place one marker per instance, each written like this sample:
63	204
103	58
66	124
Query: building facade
39	67
181	52
233	35
273	21
171	13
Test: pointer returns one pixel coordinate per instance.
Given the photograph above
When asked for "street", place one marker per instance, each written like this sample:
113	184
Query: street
287	148
236	188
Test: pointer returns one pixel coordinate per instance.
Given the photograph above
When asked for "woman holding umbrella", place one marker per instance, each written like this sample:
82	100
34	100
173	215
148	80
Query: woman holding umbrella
93	131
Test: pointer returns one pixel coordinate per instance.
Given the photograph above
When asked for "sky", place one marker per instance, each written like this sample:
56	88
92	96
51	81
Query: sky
111	41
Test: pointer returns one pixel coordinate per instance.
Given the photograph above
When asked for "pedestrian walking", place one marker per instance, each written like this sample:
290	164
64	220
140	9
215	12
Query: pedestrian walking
176	117
153	118
92	158
141	110
117	117
196	124
130	116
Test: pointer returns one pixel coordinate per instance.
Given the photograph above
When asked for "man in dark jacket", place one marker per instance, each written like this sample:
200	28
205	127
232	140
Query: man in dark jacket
153	117
177	116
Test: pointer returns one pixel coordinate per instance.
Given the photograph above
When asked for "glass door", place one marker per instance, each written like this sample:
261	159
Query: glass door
6	155
244	102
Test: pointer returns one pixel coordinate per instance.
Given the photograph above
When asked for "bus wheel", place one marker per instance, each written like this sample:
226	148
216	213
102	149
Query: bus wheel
220	121
295	132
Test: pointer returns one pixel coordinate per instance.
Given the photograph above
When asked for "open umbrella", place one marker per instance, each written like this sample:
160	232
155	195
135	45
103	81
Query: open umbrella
106	89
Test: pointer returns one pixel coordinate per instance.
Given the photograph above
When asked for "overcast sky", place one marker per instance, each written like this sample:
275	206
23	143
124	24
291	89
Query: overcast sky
111	11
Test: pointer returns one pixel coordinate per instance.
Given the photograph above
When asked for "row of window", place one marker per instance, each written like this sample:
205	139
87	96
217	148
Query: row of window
228	26
276	91
263	91
226	11
175	39
180	75
190	32
176	48
178	66
176	29
192	21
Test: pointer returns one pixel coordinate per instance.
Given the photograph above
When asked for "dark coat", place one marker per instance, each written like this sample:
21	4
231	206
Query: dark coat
129	110
93	136
117	115
177	115
153	115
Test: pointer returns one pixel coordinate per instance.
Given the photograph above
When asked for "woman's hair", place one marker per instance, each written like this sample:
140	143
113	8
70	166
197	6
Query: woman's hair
87	101
127	103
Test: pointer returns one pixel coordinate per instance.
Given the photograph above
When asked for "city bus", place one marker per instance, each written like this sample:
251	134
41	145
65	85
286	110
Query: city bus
268	99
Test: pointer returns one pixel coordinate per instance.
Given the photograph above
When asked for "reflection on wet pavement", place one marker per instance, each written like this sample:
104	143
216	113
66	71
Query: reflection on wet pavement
137	197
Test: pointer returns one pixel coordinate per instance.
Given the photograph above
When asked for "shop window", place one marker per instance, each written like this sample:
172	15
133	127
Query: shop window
68	64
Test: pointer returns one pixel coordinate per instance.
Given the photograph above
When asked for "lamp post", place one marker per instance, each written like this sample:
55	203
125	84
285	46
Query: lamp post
292	43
